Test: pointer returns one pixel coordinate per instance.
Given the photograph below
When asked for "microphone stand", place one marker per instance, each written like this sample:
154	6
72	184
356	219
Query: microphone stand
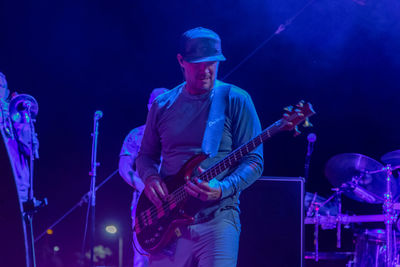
92	173
307	167
310	148
84	199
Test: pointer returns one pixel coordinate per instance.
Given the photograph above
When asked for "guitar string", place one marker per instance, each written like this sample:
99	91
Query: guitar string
180	192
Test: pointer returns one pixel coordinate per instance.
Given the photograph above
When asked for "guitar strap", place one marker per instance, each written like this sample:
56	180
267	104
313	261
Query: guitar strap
216	120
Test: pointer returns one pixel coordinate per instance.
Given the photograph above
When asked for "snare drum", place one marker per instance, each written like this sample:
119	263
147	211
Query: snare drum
371	249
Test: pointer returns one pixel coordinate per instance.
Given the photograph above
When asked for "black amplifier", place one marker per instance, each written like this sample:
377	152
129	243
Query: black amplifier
272	223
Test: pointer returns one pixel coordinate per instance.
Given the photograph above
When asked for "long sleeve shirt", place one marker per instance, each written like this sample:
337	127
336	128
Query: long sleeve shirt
174	130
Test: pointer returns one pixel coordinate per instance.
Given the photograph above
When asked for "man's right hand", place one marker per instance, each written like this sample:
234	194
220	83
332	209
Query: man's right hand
155	190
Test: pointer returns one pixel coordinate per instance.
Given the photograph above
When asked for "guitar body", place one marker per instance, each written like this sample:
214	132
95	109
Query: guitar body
154	227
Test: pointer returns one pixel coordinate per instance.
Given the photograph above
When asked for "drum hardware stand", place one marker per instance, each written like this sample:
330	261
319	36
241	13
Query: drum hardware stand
316	234
311	207
388	210
396	208
315	206
338	194
389	217
353	186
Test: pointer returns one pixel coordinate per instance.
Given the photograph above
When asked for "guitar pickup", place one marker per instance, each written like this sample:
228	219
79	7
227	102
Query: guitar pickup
178	232
160	212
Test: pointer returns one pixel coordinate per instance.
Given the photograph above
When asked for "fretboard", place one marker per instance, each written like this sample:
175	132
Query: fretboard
235	156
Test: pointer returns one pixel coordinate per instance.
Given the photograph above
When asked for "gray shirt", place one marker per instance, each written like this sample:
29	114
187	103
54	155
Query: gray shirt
175	128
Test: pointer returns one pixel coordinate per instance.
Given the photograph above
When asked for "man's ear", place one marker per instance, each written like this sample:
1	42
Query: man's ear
180	59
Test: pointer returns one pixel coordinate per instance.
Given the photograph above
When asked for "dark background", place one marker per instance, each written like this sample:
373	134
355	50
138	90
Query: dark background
76	57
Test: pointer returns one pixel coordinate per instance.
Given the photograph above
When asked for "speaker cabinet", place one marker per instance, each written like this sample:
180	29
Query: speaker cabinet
272	223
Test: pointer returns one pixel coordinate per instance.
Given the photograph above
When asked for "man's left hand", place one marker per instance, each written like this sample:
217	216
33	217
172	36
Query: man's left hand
206	191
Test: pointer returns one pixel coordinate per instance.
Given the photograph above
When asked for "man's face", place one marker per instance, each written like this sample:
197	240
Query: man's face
200	77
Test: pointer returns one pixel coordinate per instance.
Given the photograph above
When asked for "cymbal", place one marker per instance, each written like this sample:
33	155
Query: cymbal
392	158
352	173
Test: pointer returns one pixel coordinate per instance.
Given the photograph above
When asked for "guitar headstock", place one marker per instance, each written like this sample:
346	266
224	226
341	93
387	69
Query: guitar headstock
294	115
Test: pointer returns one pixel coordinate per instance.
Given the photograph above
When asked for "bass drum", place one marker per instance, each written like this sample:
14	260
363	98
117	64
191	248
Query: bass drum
12	236
371	249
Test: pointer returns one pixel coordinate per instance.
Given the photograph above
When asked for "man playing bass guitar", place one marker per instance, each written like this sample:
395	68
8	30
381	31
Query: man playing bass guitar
179	126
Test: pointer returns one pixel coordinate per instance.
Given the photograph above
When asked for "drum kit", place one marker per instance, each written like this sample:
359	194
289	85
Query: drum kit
366	180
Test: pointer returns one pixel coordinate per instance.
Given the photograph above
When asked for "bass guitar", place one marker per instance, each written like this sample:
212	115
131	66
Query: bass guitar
156	227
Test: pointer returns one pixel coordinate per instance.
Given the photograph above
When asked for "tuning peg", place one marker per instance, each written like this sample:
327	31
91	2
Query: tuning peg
285	115
300	104
296	131
307	123
288	109
299	113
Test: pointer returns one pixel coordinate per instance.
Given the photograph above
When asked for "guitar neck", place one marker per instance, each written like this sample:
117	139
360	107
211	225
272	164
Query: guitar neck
235	156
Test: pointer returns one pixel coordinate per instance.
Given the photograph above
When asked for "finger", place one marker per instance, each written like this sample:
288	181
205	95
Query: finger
152	196
159	190
197	181
195	187
164	187
197	192
204	186
191	191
